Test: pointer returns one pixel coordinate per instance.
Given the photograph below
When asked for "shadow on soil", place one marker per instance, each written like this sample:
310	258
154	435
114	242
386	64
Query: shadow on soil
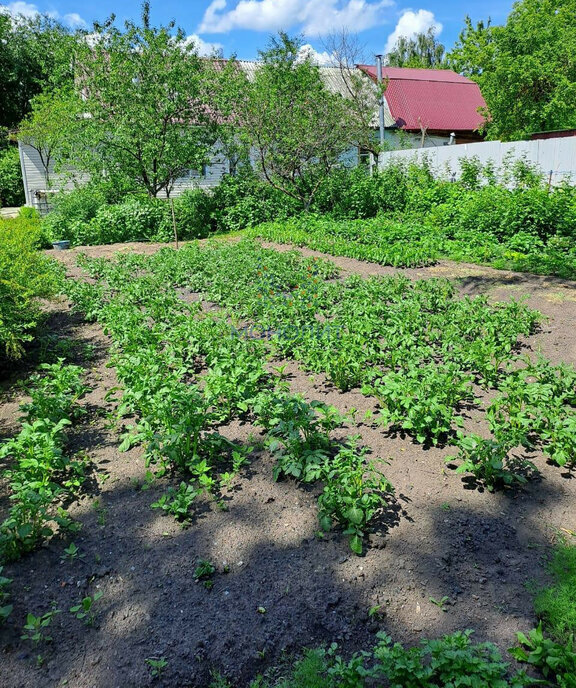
312	590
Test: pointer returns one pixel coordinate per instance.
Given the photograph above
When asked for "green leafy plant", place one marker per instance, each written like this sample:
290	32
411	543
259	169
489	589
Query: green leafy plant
35	626
555	660
204	573
84	610
157	665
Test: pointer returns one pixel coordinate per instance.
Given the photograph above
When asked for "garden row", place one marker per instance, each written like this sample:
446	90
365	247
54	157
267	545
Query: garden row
186	372
423	353
506	218
43	477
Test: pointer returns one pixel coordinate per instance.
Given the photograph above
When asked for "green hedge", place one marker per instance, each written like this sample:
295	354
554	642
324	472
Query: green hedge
25	275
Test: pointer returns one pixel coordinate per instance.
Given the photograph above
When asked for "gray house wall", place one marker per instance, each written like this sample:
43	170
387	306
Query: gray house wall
39	189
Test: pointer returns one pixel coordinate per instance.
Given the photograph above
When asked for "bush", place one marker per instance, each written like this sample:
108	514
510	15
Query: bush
11	184
246	200
349	194
194	213
25	275
71	210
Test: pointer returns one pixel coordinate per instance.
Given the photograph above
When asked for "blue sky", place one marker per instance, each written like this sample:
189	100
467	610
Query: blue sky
242	26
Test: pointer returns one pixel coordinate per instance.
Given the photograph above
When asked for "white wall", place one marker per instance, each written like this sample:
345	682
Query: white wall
556	155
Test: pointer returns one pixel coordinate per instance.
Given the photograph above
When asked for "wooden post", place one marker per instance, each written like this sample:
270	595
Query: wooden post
174	222
550	180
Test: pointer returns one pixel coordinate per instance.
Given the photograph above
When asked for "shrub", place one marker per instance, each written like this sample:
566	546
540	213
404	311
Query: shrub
11	184
246	200
71	210
194	213
25	275
138	218
349	194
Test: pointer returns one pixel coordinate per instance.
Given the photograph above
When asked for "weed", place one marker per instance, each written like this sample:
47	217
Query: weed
84	610
204	573
35	626
157	665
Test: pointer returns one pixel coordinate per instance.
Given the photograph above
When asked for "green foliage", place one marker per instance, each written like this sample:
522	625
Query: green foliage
413	219
423	51
5	609
556	603
152	105
296	126
245	200
11	184
490	463
524	68
556	661
157	665
35	627
35	52
41	473
84	610
452	661
25	276
177	502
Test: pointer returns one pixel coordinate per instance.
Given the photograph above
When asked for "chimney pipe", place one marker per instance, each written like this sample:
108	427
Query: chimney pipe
380	97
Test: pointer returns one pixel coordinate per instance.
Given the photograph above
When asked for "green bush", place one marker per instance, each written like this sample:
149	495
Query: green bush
194	214
25	275
71	210
11	184
245	200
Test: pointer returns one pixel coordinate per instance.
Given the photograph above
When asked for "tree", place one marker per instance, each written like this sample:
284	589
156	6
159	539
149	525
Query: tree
296	127
50	127
148	99
362	93
35	52
526	69
423	51
473	49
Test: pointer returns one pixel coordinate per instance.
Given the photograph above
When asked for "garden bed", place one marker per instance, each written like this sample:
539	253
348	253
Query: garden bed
278	585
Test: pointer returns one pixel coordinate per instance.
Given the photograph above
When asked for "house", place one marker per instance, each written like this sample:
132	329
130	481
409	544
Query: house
422	108
429	107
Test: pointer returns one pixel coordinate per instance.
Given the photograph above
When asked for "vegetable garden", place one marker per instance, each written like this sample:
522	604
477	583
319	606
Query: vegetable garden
267	455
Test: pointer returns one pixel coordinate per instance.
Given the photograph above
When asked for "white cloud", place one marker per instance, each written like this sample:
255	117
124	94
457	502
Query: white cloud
74	20
412	23
29	10
203	47
322	59
315	17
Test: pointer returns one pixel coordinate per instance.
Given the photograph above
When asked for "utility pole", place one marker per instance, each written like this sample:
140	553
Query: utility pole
380	101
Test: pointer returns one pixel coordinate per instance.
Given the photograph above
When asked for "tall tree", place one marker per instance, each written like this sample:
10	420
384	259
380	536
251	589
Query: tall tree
34	52
148	98
360	91
423	51
526	69
297	128
51	126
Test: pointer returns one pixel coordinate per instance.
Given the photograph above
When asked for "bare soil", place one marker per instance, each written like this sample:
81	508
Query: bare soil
438	539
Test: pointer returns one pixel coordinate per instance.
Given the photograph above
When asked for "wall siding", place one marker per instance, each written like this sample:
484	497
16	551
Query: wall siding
35	182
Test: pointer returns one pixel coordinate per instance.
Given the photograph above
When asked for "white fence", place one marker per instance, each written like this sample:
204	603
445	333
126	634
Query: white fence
555	157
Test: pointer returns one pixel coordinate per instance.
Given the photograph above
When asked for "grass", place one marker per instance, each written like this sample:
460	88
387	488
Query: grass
556	603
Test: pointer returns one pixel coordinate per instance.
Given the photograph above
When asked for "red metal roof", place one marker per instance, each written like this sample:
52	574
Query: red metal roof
437	99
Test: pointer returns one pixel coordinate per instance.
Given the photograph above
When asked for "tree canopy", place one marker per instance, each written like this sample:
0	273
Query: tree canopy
148	99
526	69
423	51
296	127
